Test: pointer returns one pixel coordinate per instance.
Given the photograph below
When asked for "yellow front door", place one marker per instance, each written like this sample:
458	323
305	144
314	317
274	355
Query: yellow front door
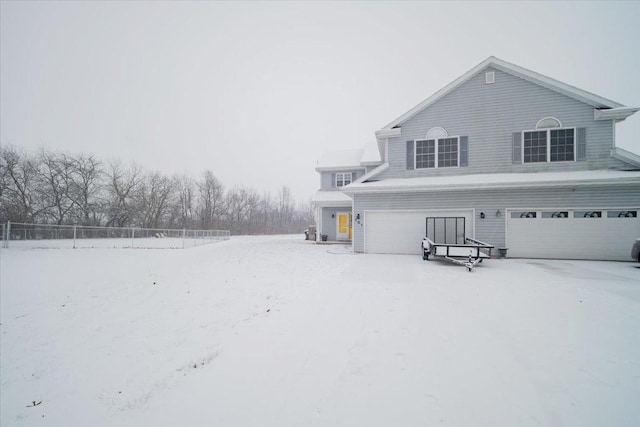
345	230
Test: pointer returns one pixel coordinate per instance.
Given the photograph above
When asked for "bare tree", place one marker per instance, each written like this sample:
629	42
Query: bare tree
182	211
122	186
61	188
304	214
18	173
155	195
236	202
86	187
266	213
54	177
211	207
285	209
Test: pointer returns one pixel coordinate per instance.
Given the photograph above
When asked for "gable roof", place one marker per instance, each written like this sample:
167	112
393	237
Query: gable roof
340	159
531	76
350	159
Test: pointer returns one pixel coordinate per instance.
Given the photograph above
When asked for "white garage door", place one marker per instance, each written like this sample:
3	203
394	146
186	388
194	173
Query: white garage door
597	234
401	232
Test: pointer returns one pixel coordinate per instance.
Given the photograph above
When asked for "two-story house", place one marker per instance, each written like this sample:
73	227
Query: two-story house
333	208
528	162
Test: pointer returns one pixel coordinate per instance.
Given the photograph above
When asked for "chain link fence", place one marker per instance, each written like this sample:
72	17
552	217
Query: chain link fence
29	236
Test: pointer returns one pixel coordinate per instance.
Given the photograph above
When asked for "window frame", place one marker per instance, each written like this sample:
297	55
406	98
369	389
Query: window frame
436	152
548	144
344	175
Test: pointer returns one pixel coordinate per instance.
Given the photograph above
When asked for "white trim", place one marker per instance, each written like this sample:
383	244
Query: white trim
490	77
618	114
507	214
439	131
547	118
338	213
548	131
385	133
343	175
625	156
371	173
436	166
531	76
340	168
497	182
365	212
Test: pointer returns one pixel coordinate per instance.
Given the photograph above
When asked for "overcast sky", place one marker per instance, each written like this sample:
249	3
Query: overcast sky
256	92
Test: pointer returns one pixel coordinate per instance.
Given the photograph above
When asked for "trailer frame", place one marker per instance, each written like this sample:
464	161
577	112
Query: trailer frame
453	246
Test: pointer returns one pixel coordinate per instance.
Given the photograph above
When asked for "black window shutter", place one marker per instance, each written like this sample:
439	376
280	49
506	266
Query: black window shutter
517	148
581	145
409	155
464	151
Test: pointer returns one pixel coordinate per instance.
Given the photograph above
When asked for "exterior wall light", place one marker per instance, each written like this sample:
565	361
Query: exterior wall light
482	215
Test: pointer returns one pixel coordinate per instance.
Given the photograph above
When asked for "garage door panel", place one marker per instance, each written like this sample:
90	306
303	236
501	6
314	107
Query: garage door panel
572	238
401	232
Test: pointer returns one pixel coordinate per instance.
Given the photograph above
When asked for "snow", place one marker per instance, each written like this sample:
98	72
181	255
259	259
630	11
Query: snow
503	180
371	153
279	331
329	197
340	159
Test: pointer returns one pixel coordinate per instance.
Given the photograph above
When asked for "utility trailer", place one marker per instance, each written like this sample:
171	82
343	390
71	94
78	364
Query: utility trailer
445	238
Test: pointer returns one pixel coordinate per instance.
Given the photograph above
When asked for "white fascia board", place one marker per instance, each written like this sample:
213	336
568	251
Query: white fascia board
532	76
385	133
626	156
376	163
618	114
323	198
340	168
324	204
632	180
369	175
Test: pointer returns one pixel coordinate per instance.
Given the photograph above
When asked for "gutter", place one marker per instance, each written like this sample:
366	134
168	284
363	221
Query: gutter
362	189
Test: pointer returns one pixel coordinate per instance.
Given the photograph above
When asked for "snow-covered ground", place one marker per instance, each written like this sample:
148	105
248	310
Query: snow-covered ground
278	331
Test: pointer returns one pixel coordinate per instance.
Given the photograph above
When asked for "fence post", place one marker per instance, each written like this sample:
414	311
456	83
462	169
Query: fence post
74	237
133	233
8	232
184	235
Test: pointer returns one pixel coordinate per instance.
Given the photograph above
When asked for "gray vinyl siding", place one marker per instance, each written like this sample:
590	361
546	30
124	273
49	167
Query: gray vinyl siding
489	114
492	228
328	179
330	225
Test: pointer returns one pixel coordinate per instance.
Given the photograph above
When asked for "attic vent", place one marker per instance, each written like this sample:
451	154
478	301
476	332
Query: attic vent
490	77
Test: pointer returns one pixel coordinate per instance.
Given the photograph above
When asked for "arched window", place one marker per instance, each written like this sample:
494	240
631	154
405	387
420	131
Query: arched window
436	132
548	123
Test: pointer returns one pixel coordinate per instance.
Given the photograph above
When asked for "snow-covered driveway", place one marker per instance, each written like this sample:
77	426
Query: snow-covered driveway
277	331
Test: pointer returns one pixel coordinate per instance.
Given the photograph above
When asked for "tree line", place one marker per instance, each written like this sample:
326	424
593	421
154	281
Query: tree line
53	187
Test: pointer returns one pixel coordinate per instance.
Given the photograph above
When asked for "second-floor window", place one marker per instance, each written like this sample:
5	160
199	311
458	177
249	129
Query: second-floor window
550	142
343	179
437	153
551	145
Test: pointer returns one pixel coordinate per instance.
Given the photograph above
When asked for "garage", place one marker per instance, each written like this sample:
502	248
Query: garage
594	234
401	232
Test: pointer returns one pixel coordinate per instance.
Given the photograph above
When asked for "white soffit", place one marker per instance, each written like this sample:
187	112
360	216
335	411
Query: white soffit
619	113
